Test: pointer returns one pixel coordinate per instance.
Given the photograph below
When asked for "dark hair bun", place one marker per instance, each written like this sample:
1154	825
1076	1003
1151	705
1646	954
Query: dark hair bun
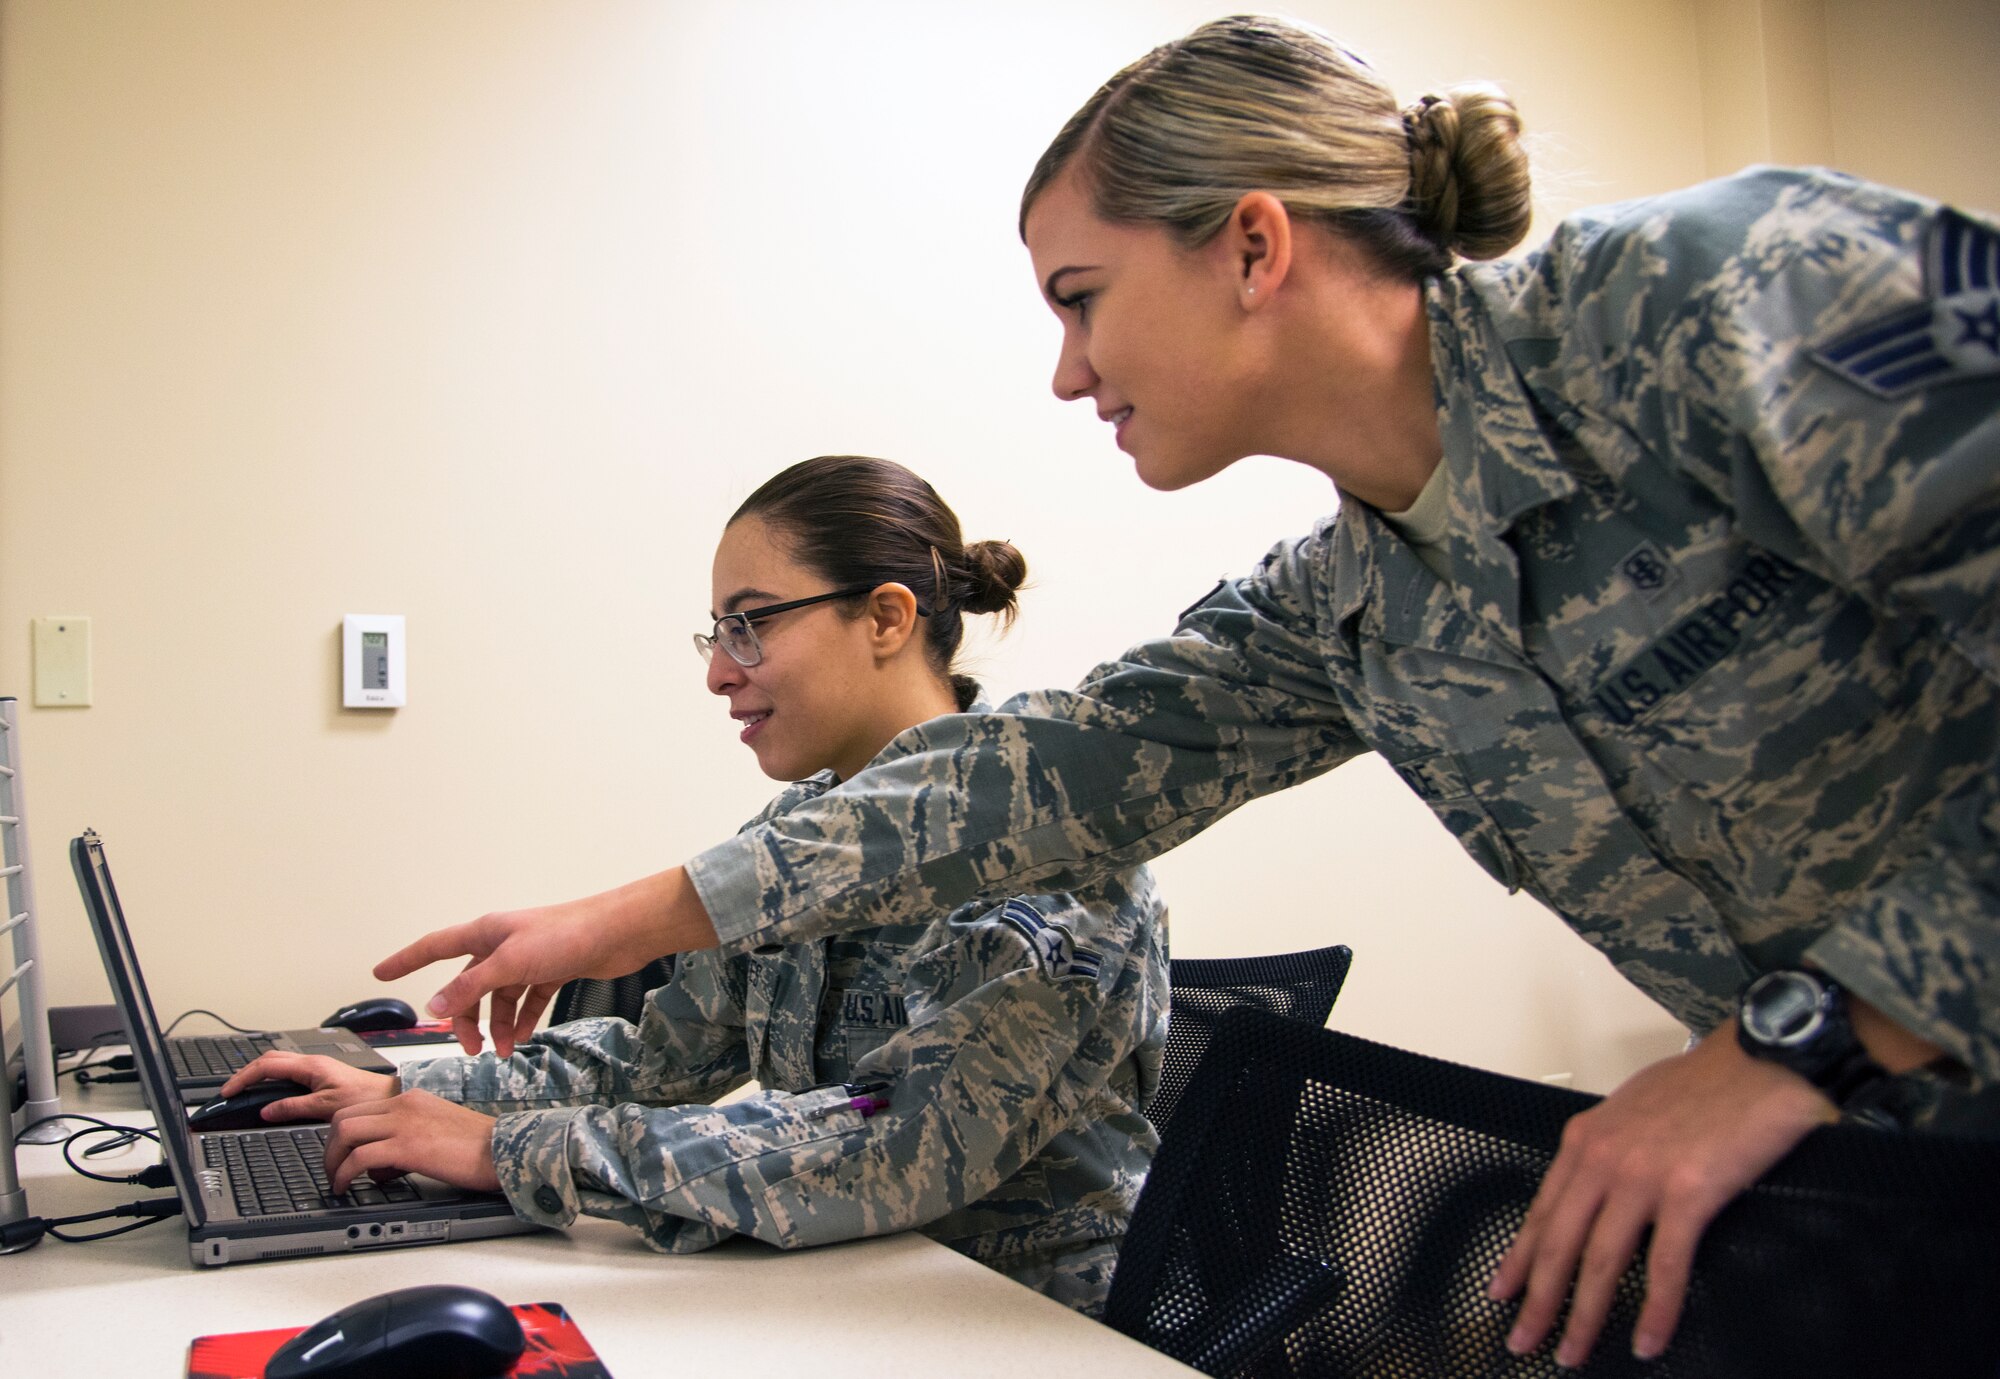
994	570
857	520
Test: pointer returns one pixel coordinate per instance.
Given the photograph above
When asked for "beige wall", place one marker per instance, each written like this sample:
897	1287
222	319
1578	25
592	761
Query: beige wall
1902	93
1764	84
1916	95
487	313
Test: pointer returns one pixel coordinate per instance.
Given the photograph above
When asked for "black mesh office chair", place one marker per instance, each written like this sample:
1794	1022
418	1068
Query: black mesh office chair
1327	1206
624	997
1298	986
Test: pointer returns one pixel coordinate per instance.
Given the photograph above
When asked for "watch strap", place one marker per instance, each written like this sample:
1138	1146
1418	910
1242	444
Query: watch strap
1845	1081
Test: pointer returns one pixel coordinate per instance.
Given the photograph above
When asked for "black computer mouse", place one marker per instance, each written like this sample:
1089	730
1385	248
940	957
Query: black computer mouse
439	1330
384	1012
244	1110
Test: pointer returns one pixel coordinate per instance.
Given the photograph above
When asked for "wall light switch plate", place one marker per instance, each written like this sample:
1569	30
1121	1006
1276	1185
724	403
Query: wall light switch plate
372	661
62	663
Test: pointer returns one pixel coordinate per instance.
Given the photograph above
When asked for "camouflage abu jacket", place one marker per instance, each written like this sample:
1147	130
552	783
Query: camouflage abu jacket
1716	677
1019	1040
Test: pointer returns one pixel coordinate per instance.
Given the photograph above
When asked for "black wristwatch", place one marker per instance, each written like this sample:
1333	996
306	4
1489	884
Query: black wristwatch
1797	1018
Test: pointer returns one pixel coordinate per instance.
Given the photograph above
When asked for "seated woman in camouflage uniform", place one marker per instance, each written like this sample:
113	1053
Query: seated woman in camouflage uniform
978	1074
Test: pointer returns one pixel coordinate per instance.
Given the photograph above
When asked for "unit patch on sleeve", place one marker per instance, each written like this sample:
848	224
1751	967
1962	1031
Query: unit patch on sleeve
1953	335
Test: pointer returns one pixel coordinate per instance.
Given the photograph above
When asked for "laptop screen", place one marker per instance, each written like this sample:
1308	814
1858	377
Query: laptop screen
128	986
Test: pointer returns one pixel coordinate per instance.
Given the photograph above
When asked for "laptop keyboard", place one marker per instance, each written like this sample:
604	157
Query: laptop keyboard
204	1056
275	1172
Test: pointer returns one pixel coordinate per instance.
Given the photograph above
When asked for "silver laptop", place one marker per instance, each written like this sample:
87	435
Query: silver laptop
263	1194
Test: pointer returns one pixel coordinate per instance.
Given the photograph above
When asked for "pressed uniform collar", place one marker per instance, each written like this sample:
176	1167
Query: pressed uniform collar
1498	466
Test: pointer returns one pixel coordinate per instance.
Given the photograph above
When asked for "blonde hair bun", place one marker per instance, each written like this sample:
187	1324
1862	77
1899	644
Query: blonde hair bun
1254	103
1469	184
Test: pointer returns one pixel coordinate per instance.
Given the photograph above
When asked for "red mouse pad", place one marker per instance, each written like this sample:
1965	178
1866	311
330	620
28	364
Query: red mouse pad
423	1032
556	1349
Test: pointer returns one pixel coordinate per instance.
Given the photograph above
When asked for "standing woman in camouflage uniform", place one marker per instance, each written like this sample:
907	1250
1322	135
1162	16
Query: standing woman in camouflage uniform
1667	572
977	1071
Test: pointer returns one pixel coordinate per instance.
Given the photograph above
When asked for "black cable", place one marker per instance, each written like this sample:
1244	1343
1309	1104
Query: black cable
97	1041
124	1075
121	1140
30	1230
119	1064
117	1141
154	1175
172	1208
213	1016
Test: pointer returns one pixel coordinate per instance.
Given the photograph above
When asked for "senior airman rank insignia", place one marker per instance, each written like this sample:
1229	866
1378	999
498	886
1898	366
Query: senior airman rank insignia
1953	335
1052	945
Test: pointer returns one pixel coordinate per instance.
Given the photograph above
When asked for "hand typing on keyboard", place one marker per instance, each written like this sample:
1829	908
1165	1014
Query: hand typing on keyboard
277	1173
412	1132
375	1130
334	1084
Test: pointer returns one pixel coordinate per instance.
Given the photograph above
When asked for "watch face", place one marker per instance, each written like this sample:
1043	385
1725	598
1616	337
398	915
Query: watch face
1783	1008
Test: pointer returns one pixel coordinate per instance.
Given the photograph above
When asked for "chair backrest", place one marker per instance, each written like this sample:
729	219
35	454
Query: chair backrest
1327	1206
623	997
1297	986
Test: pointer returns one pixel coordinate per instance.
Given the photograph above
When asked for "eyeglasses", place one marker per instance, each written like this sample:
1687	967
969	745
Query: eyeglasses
734	634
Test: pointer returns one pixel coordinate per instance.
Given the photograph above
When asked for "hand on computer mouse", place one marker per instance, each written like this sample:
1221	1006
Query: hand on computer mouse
327	1084
438	1329
245	1110
363	1017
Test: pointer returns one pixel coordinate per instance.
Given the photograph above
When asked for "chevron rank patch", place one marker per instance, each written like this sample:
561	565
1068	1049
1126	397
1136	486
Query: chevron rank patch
1953	335
1053	947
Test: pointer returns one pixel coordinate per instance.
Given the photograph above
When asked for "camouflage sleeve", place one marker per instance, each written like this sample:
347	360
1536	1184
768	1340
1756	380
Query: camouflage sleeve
1018	1017
1829	373
687	1046
1058	788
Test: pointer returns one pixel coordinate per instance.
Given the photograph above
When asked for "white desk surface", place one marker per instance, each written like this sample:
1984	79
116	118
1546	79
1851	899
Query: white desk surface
900	1304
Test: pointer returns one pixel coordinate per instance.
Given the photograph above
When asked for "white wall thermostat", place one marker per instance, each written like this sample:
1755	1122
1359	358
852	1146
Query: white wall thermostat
371	661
